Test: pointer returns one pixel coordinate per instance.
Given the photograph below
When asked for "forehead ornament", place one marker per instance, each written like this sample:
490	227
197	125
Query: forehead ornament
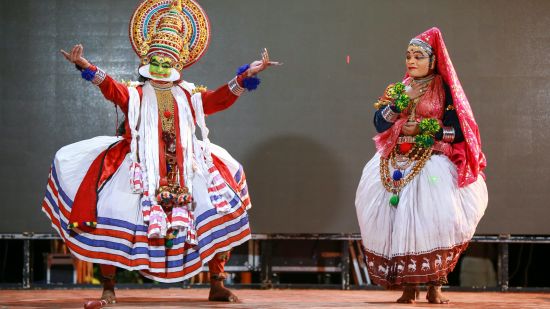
422	45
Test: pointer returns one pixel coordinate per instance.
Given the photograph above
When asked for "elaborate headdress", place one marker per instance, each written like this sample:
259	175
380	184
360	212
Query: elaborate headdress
177	29
467	155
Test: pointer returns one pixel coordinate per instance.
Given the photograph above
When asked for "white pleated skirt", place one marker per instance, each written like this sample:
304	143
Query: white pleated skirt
421	239
120	238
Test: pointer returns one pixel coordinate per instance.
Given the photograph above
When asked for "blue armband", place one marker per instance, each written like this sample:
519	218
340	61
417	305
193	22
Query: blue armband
250	83
88	74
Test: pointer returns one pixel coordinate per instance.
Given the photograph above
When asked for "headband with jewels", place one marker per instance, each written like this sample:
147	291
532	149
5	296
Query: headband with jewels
423	45
177	29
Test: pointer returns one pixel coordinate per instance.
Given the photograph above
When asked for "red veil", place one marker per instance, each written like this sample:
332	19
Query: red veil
467	155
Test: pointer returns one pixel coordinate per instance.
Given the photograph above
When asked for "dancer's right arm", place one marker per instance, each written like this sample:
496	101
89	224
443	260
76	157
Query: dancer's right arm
112	90
384	119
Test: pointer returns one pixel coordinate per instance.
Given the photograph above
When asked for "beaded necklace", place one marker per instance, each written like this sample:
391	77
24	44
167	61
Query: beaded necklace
397	182
417	155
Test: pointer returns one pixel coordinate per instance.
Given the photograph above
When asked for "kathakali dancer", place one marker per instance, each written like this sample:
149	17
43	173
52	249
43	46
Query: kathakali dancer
156	199
423	193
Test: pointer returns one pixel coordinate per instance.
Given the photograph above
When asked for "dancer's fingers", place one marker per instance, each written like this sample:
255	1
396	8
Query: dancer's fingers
66	55
74	53
79	51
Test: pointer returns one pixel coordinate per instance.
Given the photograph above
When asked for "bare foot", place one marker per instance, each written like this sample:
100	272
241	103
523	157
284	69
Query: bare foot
218	292
434	295
410	295
108	294
107	297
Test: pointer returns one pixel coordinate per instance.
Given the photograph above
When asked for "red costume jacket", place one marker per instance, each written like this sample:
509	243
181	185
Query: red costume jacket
106	164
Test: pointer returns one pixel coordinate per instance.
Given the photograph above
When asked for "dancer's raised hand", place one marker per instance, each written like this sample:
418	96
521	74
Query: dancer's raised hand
75	56
260	65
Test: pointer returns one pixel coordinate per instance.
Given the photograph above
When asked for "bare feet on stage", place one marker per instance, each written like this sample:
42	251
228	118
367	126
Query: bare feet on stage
218	292
108	296
410	295
434	295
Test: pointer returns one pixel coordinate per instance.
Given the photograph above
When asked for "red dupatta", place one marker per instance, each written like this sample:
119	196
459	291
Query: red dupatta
467	155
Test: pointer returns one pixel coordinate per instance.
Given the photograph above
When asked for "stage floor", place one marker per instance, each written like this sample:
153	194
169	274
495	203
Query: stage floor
196	298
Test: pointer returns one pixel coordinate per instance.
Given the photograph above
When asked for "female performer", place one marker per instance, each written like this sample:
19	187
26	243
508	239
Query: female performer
156	199
422	195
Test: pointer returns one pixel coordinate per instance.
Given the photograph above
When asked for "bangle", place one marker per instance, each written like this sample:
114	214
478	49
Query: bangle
235	87
99	77
448	134
389	115
93	74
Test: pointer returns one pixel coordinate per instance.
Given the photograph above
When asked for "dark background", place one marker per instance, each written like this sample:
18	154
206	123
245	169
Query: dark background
306	134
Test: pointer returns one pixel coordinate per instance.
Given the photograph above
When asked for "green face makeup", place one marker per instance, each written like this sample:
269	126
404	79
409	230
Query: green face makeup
160	66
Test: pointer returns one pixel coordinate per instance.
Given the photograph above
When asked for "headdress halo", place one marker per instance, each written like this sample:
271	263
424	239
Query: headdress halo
148	29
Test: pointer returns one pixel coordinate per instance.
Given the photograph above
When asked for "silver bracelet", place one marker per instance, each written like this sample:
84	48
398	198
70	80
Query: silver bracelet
389	115
448	134
235	87
99	77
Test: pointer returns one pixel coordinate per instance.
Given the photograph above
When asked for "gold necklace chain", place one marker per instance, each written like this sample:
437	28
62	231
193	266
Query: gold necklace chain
396	164
412	110
395	186
424	80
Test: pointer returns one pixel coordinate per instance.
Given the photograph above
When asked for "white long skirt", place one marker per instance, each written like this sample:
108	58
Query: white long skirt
120	238
420	240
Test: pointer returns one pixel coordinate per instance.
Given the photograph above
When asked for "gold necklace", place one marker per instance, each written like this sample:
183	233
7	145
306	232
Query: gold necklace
396	182
412	110
165	103
161	86
424	80
403	161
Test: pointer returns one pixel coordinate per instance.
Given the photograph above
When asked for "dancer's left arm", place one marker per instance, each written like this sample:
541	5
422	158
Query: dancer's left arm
226	95
221	98
451	122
